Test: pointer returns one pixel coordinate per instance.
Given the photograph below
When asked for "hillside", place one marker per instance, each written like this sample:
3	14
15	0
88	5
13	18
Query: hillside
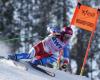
9	71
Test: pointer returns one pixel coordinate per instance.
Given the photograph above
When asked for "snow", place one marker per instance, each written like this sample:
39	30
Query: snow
9	71
4	49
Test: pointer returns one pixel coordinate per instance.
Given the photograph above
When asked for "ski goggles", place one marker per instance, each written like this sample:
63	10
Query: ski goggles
67	36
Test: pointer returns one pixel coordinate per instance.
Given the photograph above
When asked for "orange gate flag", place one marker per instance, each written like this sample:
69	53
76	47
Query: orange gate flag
85	17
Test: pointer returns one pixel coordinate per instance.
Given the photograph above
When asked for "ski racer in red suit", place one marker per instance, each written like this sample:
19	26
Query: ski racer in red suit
45	50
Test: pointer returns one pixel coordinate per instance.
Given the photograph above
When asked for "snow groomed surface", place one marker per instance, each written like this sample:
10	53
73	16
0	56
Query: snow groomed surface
9	71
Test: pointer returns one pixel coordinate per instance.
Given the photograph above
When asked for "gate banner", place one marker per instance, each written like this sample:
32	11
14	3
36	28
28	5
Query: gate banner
85	17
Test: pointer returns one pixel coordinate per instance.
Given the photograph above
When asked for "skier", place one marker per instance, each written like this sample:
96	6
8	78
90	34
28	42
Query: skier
45	51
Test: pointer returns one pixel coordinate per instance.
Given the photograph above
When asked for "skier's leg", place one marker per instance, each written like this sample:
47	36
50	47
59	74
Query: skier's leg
23	55
52	61
46	61
42	59
36	61
19	56
28	55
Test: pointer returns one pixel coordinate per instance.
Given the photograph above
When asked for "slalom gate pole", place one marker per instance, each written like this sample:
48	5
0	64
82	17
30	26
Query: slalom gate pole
59	58
86	55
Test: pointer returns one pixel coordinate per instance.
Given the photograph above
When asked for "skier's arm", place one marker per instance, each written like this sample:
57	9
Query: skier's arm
66	53
65	60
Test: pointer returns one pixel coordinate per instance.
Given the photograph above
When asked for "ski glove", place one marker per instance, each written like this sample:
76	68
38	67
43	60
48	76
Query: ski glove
64	63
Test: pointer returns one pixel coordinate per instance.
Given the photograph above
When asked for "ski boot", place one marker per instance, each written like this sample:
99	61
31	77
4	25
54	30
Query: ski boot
13	57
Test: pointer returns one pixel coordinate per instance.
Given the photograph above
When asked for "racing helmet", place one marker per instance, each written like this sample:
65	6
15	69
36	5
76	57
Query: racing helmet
67	32
54	29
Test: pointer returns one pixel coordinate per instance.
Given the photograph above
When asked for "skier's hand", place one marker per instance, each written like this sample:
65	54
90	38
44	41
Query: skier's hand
64	64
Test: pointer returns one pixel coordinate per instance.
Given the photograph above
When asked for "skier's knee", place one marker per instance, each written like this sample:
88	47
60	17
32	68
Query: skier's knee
32	52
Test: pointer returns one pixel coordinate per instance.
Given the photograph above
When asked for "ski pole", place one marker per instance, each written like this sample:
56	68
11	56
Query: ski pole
59	58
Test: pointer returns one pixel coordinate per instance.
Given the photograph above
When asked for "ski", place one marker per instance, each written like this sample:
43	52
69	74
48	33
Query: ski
20	65
42	70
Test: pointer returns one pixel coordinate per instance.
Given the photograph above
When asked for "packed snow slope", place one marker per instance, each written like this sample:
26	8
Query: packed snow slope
9	71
